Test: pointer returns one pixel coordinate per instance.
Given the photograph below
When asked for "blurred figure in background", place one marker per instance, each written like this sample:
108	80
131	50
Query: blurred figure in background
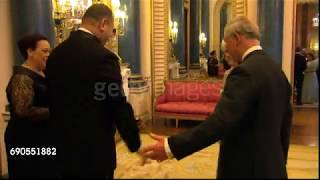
230	63
310	88
300	64
213	64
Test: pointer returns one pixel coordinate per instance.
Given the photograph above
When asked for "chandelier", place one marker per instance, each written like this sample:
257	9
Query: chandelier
202	40
67	15
173	31
120	16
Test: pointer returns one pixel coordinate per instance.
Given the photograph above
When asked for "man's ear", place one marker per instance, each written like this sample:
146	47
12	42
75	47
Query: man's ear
237	37
30	52
105	21
101	24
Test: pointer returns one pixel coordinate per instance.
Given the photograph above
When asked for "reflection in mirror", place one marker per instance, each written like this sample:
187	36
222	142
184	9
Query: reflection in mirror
190	37
191	18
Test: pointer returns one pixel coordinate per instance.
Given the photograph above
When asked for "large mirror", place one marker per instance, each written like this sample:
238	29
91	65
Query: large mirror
194	32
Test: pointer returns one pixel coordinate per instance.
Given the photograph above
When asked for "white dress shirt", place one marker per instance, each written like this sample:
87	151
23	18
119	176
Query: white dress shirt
85	30
250	50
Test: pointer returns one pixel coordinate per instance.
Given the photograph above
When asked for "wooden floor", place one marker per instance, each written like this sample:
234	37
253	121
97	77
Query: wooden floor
304	127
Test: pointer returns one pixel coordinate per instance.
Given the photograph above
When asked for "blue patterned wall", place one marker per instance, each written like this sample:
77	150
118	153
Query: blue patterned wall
31	16
271	27
129	44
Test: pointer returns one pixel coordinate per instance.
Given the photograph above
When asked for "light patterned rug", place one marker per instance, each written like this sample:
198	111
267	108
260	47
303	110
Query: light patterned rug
302	163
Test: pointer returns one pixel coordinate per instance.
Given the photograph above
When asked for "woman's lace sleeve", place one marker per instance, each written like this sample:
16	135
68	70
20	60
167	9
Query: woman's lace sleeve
22	94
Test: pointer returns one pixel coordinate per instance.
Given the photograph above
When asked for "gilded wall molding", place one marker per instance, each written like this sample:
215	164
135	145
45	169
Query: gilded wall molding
160	48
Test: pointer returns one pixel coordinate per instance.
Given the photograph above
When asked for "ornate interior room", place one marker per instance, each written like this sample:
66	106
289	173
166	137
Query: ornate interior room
165	45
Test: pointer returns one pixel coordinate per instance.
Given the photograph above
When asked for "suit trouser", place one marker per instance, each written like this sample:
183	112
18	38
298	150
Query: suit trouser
298	84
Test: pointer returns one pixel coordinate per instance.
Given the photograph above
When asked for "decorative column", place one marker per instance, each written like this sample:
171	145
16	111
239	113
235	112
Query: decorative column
145	47
6	63
224	16
271	27
194	31
205	24
211	19
145	38
252	7
288	46
31	16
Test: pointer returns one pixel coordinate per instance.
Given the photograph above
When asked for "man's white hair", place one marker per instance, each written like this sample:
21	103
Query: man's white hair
243	26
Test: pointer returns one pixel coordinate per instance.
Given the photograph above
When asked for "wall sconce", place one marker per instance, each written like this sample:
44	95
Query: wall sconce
315	21
314	46
202	40
121	17
173	31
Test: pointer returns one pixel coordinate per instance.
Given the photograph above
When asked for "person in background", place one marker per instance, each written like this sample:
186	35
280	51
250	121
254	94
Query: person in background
213	64
87	101
230	62
252	119
225	63
27	95
310	87
300	64
232	65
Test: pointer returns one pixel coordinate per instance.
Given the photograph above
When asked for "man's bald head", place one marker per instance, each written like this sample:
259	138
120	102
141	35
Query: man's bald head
99	20
97	12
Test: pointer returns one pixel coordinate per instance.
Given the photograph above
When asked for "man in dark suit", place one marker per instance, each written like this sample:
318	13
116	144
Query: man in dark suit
252	120
300	64
87	102
213	64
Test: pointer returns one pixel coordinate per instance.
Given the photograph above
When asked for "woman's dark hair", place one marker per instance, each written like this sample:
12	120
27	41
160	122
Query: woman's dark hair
212	52
29	42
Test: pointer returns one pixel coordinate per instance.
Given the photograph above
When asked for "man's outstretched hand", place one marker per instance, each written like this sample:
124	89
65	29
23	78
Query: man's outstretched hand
155	151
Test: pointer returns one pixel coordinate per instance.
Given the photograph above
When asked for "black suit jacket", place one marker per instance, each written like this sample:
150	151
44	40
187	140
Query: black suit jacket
252	120
86	105
300	64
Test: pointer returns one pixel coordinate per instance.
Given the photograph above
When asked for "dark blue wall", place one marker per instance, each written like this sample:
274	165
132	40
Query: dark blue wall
31	16
271	27
129	44
177	14
205	24
194	31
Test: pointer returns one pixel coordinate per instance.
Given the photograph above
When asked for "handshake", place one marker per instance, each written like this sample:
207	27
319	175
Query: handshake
155	151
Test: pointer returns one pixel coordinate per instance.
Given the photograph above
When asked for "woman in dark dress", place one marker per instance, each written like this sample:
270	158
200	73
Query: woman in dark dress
27	97
213	65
